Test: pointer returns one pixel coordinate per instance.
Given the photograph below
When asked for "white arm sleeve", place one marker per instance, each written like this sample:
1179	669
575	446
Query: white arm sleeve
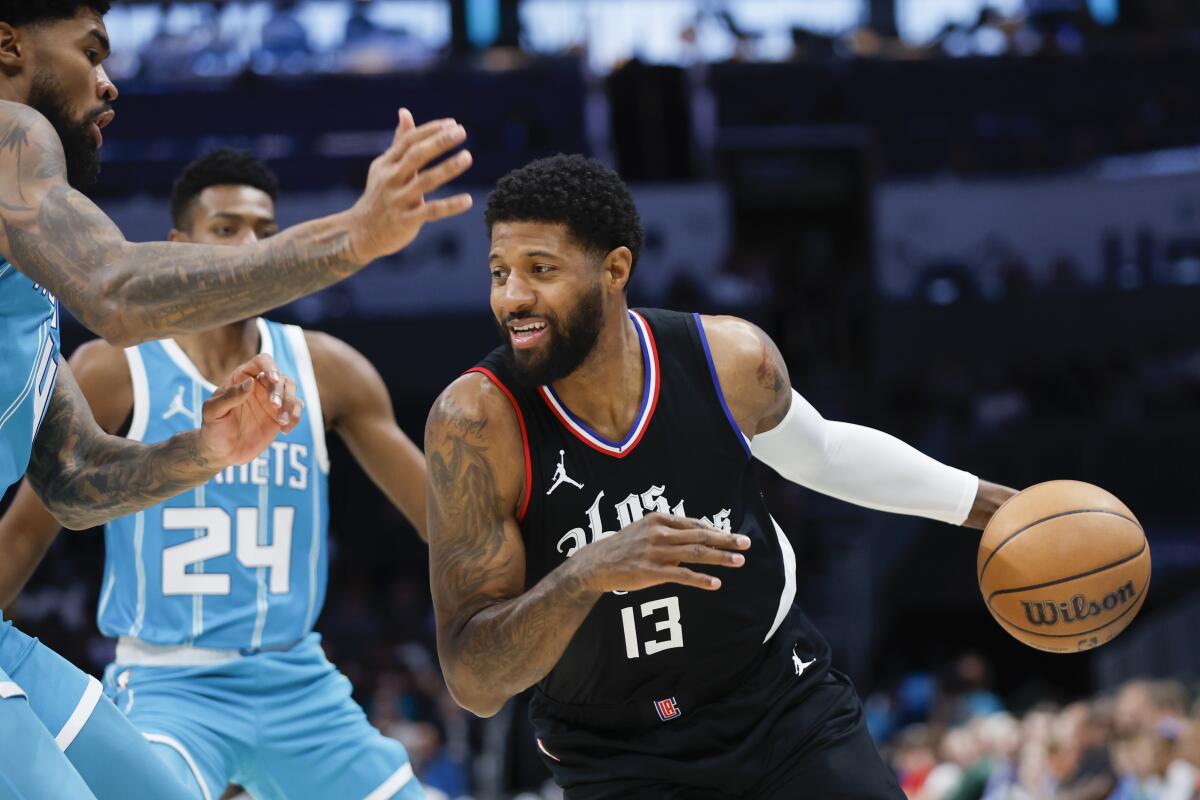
863	466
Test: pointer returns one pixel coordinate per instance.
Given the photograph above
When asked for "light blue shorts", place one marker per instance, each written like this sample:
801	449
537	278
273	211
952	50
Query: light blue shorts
62	739
282	724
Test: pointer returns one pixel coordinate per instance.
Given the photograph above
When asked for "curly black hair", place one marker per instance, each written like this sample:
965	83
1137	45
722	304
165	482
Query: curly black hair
24	12
579	192
219	168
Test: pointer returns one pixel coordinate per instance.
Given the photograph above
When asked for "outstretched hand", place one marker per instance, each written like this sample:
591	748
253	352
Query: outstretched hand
247	412
392	209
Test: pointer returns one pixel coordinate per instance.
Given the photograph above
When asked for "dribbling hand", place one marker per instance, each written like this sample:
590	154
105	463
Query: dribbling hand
393	207
652	551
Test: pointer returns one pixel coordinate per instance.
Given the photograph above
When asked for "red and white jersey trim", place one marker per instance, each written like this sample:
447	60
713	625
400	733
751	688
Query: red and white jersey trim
542	747
645	413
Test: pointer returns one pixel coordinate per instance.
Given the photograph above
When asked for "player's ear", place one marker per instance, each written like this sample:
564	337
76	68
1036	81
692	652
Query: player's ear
12	49
617	266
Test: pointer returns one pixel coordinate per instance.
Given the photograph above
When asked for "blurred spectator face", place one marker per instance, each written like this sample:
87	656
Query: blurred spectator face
1133	711
62	63
960	747
229	215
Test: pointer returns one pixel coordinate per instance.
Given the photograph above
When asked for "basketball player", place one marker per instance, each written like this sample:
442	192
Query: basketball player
214	593
650	599
55	98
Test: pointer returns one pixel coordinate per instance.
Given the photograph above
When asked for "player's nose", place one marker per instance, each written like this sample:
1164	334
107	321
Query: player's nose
106	90
517	294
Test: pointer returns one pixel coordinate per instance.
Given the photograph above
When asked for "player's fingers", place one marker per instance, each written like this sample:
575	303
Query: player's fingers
687	577
704	535
703	554
446	207
436	177
228	398
429	149
287	403
297	411
404	141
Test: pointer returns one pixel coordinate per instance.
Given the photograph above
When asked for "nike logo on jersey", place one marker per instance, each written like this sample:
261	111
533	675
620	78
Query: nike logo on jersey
629	511
177	407
800	665
560	475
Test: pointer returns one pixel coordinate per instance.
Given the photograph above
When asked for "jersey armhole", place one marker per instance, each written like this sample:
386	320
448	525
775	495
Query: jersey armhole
528	492
141	394
716	381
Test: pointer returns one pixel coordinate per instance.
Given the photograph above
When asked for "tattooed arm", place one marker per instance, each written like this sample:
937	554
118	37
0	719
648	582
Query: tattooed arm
133	292
86	477
494	639
853	463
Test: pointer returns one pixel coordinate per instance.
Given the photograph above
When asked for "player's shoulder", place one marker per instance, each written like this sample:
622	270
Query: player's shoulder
25	132
734	342
476	405
99	356
19	117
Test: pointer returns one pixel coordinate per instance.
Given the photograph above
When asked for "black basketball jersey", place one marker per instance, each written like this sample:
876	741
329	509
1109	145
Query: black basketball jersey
658	653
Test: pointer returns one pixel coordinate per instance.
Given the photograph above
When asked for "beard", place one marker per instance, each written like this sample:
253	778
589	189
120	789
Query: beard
79	147
571	340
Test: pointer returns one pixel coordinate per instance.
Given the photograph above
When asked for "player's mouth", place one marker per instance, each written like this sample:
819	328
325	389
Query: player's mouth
100	123
527	332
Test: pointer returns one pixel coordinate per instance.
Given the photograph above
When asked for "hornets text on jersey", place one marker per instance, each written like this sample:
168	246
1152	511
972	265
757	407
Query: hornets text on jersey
29	347
239	562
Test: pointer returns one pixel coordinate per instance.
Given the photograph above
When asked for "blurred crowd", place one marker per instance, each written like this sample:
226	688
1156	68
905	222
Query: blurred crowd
182	40
1140	742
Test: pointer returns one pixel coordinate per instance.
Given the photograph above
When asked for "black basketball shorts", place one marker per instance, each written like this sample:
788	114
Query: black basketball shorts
806	743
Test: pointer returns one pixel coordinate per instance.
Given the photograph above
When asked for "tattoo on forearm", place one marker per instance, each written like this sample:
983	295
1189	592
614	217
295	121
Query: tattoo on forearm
505	640
86	477
61	239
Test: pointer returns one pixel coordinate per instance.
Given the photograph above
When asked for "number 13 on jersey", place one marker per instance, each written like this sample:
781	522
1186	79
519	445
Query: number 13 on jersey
670	623
218	541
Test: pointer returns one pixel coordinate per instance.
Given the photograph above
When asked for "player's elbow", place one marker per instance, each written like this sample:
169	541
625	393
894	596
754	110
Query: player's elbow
472	697
106	318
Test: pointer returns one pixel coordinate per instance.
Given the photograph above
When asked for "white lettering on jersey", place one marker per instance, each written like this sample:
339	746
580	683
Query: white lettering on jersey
282	464
629	511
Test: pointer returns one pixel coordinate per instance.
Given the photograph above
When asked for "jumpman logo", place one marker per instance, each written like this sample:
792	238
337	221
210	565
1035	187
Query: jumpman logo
177	407
560	475
800	665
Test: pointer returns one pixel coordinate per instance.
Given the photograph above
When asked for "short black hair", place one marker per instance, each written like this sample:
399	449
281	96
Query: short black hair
579	192
24	12
219	168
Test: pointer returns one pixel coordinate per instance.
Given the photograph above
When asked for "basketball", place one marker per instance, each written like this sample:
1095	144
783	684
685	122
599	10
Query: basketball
1064	566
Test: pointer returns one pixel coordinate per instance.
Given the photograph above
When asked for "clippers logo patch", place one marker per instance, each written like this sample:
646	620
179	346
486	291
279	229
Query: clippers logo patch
667	709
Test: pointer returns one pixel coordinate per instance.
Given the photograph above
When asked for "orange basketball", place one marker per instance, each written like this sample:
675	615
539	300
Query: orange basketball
1064	566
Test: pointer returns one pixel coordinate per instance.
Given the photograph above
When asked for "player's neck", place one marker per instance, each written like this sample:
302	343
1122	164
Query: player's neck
606	390
218	352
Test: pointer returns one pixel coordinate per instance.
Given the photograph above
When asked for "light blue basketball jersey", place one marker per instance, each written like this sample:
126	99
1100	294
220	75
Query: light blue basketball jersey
240	562
29	346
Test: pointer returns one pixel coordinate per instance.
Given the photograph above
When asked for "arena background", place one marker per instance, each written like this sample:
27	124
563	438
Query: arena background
974	225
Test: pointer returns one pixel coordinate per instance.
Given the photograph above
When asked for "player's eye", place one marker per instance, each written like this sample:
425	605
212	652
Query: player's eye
93	56
542	268
498	274
225	231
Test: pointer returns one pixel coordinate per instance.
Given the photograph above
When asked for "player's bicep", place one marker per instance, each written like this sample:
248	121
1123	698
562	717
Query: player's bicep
477	556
